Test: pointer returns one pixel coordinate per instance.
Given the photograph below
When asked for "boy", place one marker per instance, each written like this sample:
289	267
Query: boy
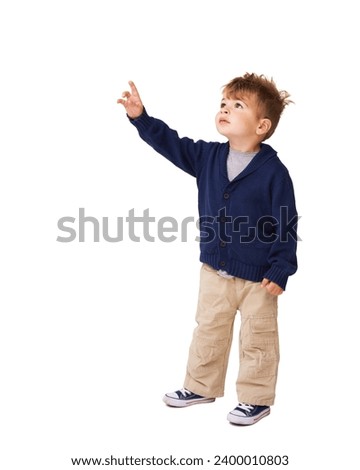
247	241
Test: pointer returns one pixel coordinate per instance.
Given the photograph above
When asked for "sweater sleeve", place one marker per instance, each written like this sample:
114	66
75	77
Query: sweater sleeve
282	256
182	152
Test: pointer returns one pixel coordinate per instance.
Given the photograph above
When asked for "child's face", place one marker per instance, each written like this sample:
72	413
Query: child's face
238	118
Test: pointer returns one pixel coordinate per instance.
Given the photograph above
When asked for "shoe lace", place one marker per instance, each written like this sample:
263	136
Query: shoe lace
185	392
246	407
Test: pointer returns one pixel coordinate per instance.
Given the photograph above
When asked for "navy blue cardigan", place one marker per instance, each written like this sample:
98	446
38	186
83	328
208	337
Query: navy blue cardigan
248	225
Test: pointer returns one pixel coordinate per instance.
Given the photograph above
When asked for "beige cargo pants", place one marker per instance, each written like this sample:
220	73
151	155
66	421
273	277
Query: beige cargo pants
219	301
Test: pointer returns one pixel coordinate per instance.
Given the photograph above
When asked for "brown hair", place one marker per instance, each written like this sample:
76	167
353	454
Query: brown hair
271	101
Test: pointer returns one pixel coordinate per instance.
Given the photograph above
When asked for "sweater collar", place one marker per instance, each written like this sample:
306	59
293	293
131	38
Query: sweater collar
265	153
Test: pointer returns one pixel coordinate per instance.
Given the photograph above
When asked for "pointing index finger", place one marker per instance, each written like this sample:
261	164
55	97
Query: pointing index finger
133	89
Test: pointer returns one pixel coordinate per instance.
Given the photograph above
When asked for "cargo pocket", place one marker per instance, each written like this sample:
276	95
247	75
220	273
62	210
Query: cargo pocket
263	331
262	347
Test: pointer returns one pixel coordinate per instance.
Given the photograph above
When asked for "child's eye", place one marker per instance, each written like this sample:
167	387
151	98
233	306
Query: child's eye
222	105
238	105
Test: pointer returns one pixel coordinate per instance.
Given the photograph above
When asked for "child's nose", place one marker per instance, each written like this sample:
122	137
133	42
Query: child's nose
225	110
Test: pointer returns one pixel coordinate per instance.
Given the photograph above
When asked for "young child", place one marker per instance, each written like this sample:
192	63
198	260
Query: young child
247	241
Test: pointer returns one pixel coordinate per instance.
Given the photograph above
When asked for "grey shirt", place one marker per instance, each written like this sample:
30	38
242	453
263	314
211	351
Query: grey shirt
237	161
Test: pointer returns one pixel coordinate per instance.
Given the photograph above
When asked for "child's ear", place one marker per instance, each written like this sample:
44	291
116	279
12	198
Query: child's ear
263	126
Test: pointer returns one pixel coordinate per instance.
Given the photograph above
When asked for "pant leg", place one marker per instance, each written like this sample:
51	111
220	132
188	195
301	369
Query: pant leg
210	346
259	346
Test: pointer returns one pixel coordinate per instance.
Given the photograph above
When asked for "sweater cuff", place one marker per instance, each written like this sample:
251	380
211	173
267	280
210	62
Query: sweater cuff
277	275
142	122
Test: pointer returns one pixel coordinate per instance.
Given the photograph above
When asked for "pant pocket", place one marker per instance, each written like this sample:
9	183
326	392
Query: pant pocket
260	347
263	331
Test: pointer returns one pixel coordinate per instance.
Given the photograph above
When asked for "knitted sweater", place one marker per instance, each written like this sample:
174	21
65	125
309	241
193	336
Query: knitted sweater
247	225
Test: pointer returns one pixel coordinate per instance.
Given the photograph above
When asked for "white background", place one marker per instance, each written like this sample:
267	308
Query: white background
93	334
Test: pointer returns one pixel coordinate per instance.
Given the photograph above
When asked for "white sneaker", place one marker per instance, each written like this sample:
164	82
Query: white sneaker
184	397
247	414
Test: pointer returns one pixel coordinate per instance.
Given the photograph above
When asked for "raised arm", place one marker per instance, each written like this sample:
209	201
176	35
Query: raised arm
132	102
182	152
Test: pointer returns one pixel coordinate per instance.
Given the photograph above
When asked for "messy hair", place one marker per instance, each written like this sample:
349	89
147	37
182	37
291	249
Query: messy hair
271	101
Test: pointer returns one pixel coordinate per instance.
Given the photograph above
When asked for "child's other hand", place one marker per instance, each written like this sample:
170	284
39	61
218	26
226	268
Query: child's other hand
271	287
132	102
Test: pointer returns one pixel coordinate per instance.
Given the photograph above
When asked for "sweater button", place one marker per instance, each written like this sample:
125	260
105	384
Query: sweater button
222	244
222	263
226	195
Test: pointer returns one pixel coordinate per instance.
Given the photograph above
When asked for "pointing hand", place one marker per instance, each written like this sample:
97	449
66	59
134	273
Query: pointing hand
132	102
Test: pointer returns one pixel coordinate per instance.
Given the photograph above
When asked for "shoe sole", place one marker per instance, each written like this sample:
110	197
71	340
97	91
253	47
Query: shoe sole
182	403
246	421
